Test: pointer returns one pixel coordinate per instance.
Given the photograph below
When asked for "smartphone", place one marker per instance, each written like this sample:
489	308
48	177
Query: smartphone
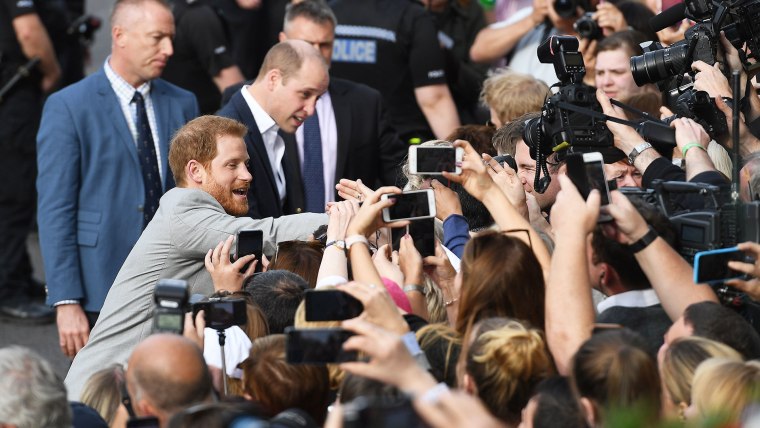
711	266
433	160
317	346
587	172
250	242
221	314
331	305
506	159
409	205
423	235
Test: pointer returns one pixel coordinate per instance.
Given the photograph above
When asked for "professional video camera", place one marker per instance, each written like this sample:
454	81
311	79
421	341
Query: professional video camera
561	127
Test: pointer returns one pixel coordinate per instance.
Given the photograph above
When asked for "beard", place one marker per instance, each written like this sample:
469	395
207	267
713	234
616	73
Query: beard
226	198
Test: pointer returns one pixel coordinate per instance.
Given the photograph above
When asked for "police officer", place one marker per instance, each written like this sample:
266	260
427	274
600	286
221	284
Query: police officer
391	45
22	37
202	62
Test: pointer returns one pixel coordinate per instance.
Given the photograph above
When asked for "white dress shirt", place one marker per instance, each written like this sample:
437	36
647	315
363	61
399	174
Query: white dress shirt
328	130
272	141
630	299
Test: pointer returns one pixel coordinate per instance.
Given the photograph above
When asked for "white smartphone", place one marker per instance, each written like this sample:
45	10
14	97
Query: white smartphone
594	165
409	205
433	160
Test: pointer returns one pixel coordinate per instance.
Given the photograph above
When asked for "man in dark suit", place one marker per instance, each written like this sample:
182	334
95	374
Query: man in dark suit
356	138
102	159
284	94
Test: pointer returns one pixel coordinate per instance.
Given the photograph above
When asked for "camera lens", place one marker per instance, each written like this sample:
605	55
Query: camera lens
532	133
565	8
587	28
659	65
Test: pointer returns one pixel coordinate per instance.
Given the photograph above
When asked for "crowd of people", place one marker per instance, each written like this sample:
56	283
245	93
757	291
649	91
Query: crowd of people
543	303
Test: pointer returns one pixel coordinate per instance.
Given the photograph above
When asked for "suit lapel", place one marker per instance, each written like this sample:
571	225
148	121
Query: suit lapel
163	110
254	141
342	110
110	103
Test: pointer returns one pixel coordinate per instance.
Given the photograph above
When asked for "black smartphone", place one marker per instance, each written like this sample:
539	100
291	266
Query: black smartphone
317	346
423	235
331	305
409	205
586	171
250	242
711	266
506	159
221	314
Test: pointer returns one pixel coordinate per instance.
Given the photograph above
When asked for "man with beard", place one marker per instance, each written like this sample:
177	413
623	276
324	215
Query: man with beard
208	159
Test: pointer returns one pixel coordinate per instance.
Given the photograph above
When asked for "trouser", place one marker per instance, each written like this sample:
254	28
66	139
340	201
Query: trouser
20	113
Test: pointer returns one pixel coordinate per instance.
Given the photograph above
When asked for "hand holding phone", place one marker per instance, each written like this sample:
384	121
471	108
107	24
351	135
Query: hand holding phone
409	205
250	242
433	160
331	305
422	232
711	267
317	346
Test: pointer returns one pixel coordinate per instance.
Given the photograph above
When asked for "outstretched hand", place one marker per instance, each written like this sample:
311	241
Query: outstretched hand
225	274
369	217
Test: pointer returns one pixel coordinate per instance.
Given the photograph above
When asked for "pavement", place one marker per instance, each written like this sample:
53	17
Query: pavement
41	338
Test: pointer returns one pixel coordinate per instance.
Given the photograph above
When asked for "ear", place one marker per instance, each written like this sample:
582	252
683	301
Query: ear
682	406
195	172
469	385
117	35
282	37
144	408
589	410
273	78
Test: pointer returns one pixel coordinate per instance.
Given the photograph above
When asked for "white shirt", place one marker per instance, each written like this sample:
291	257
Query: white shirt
328	130
630	299
124	93
272	141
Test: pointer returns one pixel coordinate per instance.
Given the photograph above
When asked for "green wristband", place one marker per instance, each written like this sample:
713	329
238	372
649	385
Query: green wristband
690	146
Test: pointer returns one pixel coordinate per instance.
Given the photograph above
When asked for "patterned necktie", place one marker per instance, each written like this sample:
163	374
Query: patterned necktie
313	180
146	152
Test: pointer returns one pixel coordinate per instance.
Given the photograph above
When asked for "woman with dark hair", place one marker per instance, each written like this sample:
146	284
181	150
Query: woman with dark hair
500	276
300	257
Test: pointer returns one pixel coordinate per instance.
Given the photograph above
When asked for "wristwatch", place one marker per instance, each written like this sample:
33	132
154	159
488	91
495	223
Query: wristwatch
637	151
339	244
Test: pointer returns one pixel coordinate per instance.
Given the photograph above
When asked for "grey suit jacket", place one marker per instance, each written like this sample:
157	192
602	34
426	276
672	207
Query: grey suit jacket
187	224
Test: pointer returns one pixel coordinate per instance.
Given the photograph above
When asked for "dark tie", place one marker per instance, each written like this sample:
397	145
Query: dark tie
313	180
146	152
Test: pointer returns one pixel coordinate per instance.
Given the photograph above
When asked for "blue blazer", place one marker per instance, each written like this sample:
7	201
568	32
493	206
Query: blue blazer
90	186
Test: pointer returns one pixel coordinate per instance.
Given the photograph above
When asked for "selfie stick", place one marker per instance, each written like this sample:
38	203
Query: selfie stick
222	339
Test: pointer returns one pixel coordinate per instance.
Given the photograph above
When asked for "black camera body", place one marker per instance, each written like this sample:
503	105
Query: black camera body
221	314
588	28
699	106
171	299
559	128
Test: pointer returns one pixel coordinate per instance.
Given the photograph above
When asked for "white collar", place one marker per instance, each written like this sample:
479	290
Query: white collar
630	299
263	120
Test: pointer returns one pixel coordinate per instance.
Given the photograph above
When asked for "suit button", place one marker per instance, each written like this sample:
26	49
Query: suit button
140	208
298	210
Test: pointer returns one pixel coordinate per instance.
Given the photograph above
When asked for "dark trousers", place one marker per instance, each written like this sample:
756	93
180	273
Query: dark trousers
20	113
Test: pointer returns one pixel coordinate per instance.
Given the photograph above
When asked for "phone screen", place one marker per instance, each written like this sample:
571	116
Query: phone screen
712	266
423	235
409	205
250	242
597	180
436	159
331	305
317	346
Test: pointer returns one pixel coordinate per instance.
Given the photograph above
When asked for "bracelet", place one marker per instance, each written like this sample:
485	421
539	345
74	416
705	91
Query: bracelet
451	302
691	146
414	287
355	239
644	241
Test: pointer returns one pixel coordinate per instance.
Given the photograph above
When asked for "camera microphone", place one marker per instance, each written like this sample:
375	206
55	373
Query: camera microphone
668	17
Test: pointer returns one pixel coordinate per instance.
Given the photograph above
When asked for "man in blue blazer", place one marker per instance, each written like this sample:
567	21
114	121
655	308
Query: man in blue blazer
102	158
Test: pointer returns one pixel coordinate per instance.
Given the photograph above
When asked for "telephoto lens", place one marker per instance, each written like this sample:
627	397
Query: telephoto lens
658	65
565	8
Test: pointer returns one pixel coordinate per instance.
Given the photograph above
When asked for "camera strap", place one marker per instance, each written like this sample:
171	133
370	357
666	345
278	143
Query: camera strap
649	129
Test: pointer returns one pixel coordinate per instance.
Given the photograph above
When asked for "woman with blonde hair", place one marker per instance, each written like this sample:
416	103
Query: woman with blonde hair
723	389
679	361
103	392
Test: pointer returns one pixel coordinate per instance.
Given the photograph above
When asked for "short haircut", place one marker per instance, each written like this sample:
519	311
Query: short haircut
197	141
614	370
278	293
278	386
479	137
506	138
620	256
511	94
284	57
719	323
121	5
628	40
33	395
316	11
102	391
